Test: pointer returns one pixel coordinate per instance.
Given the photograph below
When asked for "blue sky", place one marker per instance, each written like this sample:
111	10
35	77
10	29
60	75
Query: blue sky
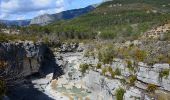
27	9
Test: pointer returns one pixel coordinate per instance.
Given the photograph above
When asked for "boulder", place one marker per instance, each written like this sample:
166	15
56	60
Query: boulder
133	94
165	84
68	47
148	75
122	65
160	67
141	85
151	75
101	87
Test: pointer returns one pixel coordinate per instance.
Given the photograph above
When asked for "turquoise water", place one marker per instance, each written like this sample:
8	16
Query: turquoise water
74	92
77	92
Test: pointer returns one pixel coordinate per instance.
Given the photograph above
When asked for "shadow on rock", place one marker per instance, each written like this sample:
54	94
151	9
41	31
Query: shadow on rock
49	65
27	92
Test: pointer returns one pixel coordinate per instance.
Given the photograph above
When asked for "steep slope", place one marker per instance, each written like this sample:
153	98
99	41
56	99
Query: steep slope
47	18
116	18
43	19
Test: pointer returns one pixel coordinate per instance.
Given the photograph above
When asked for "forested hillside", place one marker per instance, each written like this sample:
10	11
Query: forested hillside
117	19
114	19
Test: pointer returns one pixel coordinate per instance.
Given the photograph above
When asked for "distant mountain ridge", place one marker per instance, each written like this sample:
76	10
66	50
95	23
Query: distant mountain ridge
16	22
69	14
49	18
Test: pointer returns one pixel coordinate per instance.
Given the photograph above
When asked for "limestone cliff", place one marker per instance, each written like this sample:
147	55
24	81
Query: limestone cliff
27	57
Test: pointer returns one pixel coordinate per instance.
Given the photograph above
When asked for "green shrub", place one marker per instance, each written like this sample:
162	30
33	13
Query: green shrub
117	71
87	53
120	93
129	65
99	65
151	87
104	70
167	36
109	69
132	79
83	68
46	40
140	55
123	81
112	74
105	55
164	73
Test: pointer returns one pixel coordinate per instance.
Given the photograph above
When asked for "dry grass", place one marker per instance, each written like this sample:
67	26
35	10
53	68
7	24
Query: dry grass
87	98
162	95
69	96
54	84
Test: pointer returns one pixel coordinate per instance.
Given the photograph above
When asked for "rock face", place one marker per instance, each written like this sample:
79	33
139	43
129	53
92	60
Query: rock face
122	65
151	75
101	87
133	94
43	19
31	61
49	18
25	57
68	47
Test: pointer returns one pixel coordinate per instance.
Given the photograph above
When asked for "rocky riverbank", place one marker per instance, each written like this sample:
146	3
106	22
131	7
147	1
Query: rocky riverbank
99	81
94	85
139	81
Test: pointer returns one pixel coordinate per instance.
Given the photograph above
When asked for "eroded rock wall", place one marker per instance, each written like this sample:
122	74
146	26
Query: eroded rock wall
24	57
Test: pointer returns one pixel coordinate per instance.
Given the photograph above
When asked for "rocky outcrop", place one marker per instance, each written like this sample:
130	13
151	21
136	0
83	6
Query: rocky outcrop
102	88
122	66
27	57
43	19
151	75
24	57
68	47
31	61
133	94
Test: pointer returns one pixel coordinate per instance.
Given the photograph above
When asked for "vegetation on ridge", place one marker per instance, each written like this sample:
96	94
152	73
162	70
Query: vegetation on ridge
111	20
114	19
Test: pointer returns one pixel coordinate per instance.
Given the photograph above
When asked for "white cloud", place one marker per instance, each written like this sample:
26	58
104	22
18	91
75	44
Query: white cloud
7	6
59	10
4	16
20	7
59	2
51	11
21	18
41	12
41	3
14	9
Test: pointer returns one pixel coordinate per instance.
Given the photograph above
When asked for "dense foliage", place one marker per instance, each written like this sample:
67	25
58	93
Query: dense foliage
120	93
110	20
151	88
83	68
114	19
